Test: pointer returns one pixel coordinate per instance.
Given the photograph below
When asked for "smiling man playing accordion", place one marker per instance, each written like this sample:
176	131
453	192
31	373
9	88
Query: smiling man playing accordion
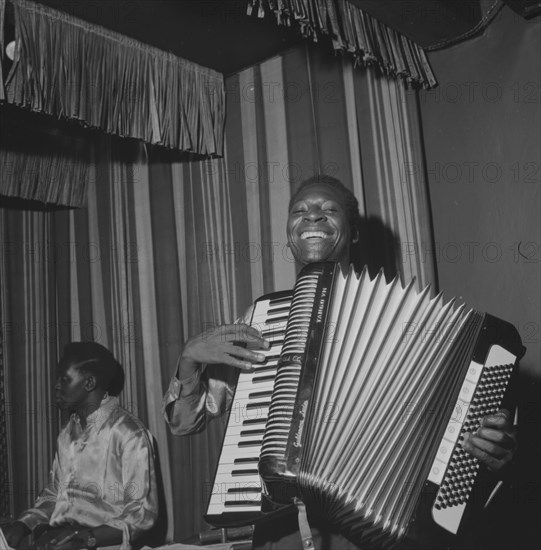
368	410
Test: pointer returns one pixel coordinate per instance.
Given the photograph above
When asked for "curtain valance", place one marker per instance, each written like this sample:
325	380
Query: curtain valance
44	160
67	67
354	31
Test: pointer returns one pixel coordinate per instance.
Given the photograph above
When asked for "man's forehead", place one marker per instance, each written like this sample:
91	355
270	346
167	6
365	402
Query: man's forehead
64	366
319	190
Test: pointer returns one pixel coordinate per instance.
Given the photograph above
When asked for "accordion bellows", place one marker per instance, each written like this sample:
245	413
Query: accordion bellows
375	384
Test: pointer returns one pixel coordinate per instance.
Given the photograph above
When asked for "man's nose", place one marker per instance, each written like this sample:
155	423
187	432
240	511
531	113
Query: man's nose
314	215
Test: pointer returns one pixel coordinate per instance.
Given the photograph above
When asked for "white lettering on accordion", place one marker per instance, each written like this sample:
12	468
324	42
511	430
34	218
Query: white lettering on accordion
321	305
302	418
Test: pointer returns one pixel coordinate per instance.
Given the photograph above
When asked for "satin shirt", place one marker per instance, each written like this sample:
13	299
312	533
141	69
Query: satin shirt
102	475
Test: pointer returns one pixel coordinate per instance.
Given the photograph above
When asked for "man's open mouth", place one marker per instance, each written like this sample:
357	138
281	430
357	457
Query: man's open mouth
314	235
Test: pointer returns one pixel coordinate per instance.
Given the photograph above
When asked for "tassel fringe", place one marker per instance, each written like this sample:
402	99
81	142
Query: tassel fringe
354	31
67	67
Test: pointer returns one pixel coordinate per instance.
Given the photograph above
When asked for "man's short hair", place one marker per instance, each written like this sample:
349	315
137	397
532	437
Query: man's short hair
93	358
349	200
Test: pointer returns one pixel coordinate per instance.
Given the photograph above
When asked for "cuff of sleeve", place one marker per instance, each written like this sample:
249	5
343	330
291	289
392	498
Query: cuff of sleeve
31	521
126	535
189	386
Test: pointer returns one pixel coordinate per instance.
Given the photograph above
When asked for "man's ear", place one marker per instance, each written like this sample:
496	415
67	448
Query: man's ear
355	236
90	383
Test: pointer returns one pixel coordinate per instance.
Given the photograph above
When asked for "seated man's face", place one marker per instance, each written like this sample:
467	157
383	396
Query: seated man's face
318	228
70	387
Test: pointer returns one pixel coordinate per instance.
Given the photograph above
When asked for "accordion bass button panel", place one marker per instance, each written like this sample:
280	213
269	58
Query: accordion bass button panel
454	470
455	424
236	491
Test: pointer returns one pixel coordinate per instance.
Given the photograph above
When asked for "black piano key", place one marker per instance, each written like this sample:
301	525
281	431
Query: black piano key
247	472
246	460
257	405
251	421
277	309
278	319
246	489
286	299
250	443
233	503
256	394
273	333
245	433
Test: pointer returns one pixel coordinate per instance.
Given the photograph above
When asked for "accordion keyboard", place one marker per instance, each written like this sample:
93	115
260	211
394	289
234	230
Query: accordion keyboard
236	493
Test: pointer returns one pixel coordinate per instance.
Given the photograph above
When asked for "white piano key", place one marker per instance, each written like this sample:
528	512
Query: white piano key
217	509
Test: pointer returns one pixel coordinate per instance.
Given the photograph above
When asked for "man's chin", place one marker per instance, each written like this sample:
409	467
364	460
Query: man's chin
62	405
316	255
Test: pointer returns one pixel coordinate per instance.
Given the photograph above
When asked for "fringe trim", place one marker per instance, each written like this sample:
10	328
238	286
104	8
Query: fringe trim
44	162
67	67
47	179
354	31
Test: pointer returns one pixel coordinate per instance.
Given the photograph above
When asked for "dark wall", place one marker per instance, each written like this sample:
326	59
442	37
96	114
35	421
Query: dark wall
482	137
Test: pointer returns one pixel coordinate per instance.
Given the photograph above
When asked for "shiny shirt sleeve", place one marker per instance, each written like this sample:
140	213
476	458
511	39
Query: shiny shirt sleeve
139	490
189	403
45	504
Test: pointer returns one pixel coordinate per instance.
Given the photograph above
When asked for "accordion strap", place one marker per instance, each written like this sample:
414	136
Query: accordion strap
304	526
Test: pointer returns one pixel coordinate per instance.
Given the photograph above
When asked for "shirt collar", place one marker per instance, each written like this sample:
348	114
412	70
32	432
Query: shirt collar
97	418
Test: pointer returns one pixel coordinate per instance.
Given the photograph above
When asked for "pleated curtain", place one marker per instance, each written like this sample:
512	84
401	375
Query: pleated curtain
308	112
29	333
65	66
168	246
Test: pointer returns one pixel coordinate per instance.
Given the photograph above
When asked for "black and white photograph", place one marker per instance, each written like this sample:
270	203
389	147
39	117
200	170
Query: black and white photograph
270	274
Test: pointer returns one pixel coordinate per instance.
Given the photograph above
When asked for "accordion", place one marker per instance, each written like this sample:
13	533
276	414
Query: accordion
360	407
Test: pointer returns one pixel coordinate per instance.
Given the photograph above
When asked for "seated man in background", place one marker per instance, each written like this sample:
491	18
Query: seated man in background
102	487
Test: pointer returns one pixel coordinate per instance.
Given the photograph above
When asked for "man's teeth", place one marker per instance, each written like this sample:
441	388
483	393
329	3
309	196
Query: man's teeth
314	235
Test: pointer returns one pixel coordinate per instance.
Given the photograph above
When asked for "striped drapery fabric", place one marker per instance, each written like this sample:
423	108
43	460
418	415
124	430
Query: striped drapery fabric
6	462
168	247
69	68
29	349
305	113
354	31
